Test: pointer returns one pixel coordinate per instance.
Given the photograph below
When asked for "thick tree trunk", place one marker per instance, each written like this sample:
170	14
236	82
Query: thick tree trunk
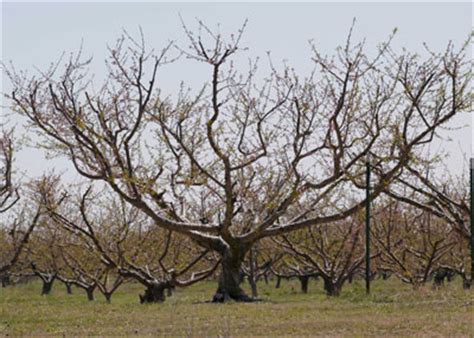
47	286
332	289
90	293
230	279
304	283
154	293
108	297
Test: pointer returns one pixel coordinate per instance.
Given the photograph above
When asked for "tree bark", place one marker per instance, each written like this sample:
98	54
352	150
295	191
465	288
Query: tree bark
5	280
108	297
466	283
332	289
47	286
252	278
304	283
253	285
90	293
68	288
169	291
154	293
278	283
230	278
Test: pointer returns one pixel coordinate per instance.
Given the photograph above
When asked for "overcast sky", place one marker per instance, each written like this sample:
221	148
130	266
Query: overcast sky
35	34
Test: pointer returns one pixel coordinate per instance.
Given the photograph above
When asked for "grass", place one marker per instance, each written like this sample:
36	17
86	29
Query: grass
393	309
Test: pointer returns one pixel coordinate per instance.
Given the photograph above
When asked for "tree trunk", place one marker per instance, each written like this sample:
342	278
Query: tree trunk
278	283
90	293
230	279
108	297
5	280
253	285
466	283
154	293
169	291
68	288
47	286
304	283
332	289
252	278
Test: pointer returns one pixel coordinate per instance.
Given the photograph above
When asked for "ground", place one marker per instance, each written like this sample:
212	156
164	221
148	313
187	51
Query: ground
392	309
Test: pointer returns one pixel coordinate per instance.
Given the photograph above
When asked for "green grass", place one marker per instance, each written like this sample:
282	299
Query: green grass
393	309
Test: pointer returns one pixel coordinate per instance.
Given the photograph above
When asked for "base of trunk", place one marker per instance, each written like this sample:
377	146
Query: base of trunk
154	293
230	280
90	294
466	284
304	280
278	283
46	290
332	289
5	280
222	296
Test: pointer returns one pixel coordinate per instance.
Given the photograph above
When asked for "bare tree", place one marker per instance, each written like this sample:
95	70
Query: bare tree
244	159
260	260
43	253
290	269
332	251
15	232
121	238
107	286
81	270
446	198
16	224
8	193
413	243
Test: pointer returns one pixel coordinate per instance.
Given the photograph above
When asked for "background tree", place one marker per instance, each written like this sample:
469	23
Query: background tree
413	243
44	255
16	222
121	238
446	198
332	251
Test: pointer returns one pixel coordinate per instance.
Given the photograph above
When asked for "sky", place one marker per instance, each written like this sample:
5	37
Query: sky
35	34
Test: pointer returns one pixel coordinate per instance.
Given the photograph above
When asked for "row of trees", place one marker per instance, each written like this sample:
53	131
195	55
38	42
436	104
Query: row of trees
177	187
122	245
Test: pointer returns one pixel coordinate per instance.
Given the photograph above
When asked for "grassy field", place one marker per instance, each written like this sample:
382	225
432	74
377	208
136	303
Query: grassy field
393	309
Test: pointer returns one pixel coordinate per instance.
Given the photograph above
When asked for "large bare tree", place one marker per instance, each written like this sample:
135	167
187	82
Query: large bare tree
248	155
